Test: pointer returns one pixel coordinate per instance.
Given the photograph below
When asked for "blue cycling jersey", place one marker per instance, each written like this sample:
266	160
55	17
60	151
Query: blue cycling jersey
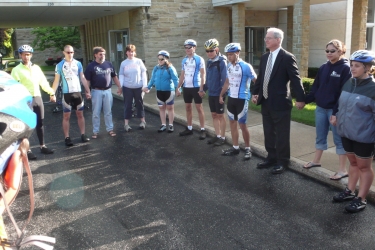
240	75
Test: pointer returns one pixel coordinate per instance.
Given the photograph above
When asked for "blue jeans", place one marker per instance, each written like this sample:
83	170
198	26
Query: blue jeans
101	99
322	126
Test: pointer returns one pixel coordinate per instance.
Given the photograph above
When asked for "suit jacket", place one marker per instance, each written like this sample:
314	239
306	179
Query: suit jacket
284	72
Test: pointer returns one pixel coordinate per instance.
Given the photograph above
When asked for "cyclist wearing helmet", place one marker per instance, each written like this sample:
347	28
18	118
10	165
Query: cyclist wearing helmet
71	72
164	77
215	77
354	119
193	77
18	121
240	74
22	73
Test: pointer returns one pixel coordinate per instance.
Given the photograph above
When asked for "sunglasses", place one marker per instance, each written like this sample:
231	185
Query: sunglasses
161	59
210	51
188	47
69	52
330	51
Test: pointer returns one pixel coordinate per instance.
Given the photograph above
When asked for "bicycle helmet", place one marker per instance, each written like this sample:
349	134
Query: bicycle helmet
163	53
25	48
190	42
211	44
232	47
17	120
363	56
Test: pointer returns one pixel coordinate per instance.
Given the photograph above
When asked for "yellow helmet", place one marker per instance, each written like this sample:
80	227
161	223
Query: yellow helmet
211	44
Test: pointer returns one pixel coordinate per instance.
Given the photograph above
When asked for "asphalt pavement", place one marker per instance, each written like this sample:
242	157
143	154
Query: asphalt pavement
149	190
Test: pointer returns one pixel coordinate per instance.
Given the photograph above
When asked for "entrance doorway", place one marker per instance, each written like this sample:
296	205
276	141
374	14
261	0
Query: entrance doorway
118	40
254	45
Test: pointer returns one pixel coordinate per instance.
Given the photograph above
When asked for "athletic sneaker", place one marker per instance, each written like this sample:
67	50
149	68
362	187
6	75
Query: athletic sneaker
170	129
220	141
247	154
68	142
231	151
30	155
202	135
345	195
186	132
213	140
46	151
142	125
162	128
127	128
84	138
356	205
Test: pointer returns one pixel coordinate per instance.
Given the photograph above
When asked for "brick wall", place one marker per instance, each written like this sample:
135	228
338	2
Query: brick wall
167	24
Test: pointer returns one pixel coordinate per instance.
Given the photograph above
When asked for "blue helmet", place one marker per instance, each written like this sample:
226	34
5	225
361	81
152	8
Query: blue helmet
164	53
190	42
25	48
17	120
363	56
232	47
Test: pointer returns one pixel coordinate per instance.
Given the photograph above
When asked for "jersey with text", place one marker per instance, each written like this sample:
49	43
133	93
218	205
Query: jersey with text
240	76
191	67
69	74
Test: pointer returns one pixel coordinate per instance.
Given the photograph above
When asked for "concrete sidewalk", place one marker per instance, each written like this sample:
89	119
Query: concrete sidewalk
302	140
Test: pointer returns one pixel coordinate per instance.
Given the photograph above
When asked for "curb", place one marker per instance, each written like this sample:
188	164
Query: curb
319	174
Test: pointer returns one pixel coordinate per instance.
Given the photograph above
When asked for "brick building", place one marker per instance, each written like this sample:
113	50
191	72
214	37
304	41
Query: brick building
153	25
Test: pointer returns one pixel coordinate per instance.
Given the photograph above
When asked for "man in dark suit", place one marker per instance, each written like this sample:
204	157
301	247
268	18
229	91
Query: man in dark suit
277	69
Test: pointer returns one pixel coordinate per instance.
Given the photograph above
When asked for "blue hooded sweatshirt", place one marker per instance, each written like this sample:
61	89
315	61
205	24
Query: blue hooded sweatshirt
328	83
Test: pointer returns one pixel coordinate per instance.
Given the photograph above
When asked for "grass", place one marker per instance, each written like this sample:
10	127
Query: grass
48	68
305	116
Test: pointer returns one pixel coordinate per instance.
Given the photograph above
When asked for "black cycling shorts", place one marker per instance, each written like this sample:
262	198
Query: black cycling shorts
190	94
215	105
72	101
361	150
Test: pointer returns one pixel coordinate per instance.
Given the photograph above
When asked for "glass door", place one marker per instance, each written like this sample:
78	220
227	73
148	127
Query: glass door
118	40
254	45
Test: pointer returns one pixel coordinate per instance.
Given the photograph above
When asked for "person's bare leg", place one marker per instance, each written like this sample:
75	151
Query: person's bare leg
200	114
81	121
65	123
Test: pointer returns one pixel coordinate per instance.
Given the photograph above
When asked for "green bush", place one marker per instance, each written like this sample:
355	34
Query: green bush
307	84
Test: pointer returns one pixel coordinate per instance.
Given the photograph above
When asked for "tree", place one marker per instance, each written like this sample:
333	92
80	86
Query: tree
56	37
6	41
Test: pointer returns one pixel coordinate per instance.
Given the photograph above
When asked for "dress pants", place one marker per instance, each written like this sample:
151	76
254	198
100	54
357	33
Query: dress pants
276	128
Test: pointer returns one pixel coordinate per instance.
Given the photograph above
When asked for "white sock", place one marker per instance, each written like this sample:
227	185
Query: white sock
202	129
170	124
236	147
190	127
218	136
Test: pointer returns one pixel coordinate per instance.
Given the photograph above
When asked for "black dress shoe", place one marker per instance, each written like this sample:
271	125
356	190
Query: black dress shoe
278	169
265	164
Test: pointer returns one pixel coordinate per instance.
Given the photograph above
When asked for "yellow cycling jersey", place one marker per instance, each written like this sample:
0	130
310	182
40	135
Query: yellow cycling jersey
32	78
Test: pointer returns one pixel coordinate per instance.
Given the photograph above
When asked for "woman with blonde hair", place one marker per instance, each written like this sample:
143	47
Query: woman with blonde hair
325	91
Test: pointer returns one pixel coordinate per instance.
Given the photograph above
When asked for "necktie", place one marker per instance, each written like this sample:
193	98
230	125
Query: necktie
267	75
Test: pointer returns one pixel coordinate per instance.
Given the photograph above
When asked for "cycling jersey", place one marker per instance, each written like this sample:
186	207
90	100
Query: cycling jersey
69	73
32	78
240	76
192	71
